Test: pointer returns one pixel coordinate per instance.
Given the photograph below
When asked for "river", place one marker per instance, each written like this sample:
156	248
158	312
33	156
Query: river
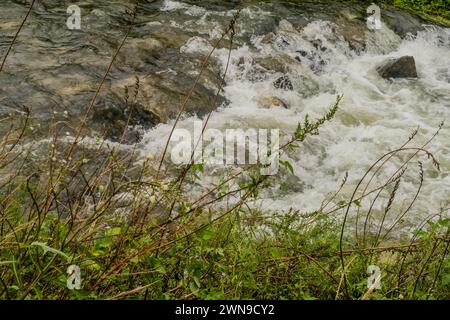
323	49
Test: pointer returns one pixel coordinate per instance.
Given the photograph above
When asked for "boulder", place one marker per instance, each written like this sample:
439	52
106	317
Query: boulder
402	22
353	31
268	38
404	67
273	63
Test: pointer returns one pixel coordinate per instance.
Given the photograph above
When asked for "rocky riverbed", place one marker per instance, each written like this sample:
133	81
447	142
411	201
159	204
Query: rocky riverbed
288	59
53	68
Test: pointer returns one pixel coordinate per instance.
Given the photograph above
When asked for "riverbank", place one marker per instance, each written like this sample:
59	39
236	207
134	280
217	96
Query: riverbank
432	11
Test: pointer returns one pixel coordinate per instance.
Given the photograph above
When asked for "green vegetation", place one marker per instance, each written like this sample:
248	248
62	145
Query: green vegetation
115	225
435	9
430	10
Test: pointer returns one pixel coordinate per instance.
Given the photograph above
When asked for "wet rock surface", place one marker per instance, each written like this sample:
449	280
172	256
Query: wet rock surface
268	102
402	22
403	67
352	27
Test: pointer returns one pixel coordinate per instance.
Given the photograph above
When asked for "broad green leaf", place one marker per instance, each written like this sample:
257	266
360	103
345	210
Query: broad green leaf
288	165
47	248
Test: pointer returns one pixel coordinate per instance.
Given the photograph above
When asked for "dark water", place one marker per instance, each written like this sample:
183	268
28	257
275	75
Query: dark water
54	69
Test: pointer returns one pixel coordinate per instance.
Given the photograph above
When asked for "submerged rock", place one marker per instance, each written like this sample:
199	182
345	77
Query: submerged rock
404	67
353	31
148	101
318	45
272	63
268	102
119	121
284	83
268	38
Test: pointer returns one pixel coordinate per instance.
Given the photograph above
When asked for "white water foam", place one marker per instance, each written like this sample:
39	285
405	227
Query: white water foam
375	117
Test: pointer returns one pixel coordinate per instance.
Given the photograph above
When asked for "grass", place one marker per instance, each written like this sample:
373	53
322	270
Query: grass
435	11
136	232
432	10
438	10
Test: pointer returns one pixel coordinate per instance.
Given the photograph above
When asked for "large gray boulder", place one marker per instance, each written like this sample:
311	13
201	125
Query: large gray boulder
402	22
404	67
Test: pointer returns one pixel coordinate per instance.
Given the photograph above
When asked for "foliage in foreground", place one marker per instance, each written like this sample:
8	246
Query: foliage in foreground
138	236
243	256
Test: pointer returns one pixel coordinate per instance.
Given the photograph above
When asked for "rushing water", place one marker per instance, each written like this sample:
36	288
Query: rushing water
375	117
